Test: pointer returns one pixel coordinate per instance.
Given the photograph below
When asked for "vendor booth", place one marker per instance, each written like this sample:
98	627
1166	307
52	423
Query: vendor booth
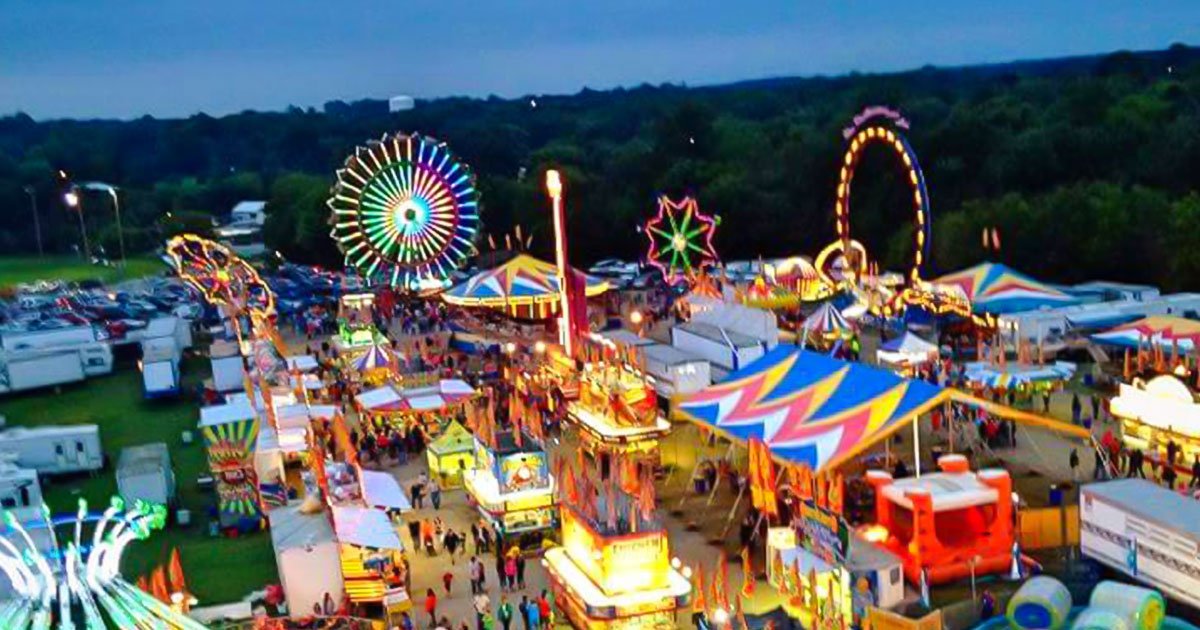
450	455
356	326
512	486
617	413
906	353
1156	412
308	557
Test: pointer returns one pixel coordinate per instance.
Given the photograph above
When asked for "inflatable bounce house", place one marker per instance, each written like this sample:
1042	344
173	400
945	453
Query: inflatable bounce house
939	522
1044	603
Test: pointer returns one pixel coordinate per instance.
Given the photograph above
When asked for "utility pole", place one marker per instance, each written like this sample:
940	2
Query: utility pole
37	225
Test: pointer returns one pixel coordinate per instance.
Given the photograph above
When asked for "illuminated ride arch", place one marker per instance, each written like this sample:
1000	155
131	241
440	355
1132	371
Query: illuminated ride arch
883	126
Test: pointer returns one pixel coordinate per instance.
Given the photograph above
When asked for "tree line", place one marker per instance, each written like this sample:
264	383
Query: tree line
1085	167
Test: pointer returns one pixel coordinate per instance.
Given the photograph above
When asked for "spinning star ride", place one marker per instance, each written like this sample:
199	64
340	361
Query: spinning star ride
81	581
221	276
681	239
405	211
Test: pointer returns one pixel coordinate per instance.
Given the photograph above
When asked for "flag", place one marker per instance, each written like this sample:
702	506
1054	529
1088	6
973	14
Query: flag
721	594
834	492
158	585
739	614
747	574
175	570
804	490
698	602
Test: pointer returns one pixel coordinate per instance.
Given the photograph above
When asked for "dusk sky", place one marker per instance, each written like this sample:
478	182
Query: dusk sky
125	58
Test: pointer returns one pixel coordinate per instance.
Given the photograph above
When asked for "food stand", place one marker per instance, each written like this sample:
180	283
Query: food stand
450	455
512	487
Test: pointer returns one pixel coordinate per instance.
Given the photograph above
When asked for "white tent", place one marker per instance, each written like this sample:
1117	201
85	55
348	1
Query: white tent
905	350
307	556
378	397
365	527
380	489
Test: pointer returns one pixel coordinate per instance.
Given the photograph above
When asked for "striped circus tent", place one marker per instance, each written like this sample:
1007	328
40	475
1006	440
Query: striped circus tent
811	408
825	322
377	357
524	287
997	289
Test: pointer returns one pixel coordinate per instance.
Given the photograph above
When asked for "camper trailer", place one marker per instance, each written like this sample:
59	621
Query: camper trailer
144	472
55	450
32	368
160	371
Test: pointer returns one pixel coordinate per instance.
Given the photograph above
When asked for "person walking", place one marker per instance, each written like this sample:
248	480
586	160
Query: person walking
414	532
521	571
1169	476
448	581
535	616
543	605
505	612
523	608
1195	482
510	573
450	542
431	602
1073	461
435	495
483	605
476	571
1076	408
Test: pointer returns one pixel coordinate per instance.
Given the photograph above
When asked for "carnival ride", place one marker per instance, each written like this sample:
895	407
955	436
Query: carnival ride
405	211
220	275
614	568
617	413
681	239
356	324
57	584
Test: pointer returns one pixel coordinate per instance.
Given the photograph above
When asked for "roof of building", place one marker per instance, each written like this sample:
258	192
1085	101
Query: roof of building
144	459
1150	501
708	331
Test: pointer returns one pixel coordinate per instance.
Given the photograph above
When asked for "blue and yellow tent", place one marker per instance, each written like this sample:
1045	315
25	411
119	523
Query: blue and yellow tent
997	289
813	409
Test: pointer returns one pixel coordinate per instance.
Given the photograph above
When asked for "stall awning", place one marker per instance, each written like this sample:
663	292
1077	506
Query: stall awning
380	398
381	490
1163	331
365	527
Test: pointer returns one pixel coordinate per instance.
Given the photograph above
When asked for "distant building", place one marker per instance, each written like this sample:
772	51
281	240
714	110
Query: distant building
400	103
248	213
243	232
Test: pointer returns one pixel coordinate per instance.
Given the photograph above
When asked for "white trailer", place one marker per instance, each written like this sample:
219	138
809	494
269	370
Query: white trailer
675	371
144	472
1145	531
68	336
32	368
55	450
724	349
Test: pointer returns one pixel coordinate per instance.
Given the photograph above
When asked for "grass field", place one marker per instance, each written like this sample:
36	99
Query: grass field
219	570
15	270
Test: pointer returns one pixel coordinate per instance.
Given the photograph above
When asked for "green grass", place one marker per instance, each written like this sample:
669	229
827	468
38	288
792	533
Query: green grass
219	570
17	269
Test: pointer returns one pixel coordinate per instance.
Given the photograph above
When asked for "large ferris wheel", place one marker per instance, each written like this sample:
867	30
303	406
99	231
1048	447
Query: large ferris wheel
405	211
886	127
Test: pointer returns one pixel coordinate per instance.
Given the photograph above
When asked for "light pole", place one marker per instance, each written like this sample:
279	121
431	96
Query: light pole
37	224
75	202
112	192
565	319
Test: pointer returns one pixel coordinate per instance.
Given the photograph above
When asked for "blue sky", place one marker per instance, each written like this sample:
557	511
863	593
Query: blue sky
125	58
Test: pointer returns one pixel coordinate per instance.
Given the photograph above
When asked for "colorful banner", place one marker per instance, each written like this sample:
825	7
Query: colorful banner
231	449
762	478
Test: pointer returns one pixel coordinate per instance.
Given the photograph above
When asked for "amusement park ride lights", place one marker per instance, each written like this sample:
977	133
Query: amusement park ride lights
681	239
83	581
405	211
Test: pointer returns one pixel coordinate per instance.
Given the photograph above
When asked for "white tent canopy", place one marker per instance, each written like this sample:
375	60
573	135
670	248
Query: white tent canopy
365	527
907	349
380	489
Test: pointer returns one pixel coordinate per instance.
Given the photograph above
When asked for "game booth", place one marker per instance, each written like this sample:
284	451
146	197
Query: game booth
617	413
451	455
356	326
1156	412
426	400
512	487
